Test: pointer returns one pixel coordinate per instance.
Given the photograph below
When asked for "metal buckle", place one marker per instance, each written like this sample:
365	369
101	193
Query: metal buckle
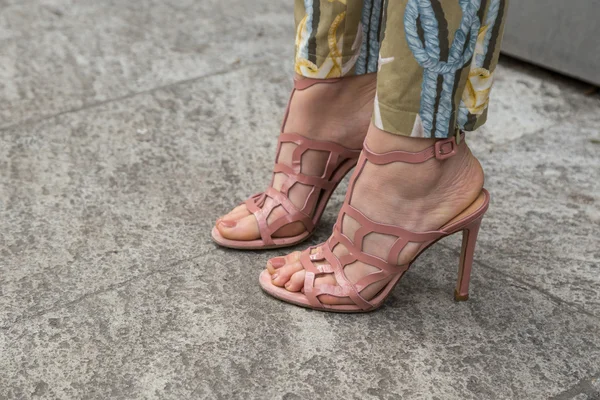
441	146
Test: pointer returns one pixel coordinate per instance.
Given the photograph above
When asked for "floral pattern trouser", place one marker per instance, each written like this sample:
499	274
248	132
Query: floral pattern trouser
434	59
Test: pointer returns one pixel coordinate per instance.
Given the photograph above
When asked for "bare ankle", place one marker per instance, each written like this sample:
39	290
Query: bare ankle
339	112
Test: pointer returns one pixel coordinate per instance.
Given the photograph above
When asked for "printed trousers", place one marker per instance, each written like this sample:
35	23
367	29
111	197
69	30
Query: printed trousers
434	59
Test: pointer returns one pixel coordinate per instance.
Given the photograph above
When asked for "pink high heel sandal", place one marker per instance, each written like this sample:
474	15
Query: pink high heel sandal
341	160
467	222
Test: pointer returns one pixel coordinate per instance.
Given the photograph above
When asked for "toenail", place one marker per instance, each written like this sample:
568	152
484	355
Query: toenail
275	276
228	224
278	262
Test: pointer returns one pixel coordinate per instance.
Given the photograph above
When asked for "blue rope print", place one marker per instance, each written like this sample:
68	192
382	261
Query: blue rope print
308	7
427	55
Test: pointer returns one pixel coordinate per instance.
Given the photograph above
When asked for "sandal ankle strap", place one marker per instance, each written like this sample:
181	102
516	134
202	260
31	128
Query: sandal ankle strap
442	150
305	83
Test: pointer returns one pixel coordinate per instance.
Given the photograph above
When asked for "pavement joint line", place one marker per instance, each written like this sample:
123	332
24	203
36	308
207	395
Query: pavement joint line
136	278
528	285
106	289
234	67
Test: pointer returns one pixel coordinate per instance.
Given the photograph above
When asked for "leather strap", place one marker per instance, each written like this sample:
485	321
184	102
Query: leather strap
442	149
305	83
256	204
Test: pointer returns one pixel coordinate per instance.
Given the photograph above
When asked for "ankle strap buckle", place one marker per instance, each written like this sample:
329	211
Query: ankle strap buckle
445	148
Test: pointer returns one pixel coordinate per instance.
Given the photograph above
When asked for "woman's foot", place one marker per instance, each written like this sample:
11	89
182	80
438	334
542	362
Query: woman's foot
338	112
417	197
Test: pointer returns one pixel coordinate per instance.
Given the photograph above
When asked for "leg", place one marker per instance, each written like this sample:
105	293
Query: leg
418	101
329	44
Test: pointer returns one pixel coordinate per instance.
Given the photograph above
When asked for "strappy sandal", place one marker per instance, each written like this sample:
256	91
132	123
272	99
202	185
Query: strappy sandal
340	161
467	222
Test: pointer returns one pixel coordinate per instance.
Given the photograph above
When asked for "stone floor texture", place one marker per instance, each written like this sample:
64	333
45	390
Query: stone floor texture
128	127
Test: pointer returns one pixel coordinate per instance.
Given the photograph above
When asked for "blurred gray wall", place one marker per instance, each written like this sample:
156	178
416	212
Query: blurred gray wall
562	35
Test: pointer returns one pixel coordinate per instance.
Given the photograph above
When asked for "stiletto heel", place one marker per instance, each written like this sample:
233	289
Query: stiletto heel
461	293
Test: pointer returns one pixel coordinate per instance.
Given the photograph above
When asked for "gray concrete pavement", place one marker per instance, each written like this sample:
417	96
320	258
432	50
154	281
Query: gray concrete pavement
124	132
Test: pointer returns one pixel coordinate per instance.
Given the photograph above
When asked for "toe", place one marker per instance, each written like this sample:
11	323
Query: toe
236	214
277	262
296	282
283	274
241	207
243	229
